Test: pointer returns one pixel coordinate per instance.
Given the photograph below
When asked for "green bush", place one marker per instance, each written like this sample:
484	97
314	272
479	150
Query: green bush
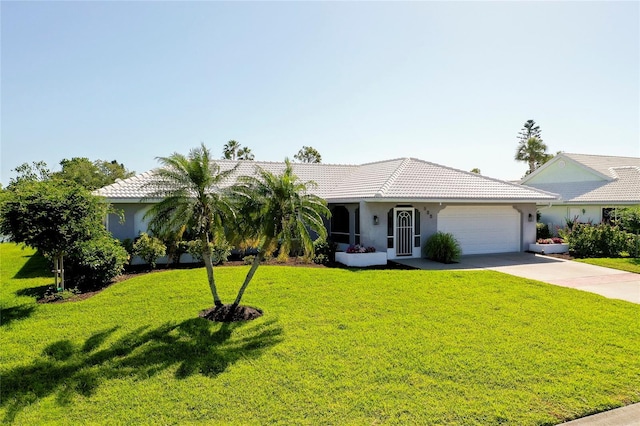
629	219
442	247
220	250
324	251
94	263
601	240
149	249
542	231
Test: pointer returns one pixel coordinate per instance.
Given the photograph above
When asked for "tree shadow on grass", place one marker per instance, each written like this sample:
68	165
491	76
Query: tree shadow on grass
195	346
36	267
15	313
37	292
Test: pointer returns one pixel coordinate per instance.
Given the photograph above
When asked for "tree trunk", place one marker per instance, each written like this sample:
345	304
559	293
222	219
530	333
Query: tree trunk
254	266
206	256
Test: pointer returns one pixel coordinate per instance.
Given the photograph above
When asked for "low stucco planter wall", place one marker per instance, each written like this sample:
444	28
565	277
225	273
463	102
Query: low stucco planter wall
361	260
549	248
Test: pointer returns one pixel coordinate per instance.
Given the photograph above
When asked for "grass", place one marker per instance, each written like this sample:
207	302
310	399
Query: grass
628	264
334	347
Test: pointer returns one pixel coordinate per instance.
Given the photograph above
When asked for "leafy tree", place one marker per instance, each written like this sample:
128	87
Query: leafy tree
245	153
277	210
476	170
189	187
91	175
36	171
531	149
51	215
308	154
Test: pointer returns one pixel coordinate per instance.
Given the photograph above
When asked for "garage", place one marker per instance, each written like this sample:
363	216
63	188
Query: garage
482	229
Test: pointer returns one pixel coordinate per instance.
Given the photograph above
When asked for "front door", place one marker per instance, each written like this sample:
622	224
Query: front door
404	231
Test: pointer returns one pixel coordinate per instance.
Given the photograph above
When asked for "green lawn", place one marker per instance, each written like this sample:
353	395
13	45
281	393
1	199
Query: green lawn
334	347
629	264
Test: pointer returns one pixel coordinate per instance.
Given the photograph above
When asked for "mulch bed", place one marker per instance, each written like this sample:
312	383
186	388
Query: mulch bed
229	313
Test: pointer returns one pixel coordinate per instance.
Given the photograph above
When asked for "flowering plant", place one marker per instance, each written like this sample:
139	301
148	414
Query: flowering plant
360	249
554	240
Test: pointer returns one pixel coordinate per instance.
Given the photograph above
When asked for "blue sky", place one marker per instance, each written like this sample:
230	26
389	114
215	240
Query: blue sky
447	82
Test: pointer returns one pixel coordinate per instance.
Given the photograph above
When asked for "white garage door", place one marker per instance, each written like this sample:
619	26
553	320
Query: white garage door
482	229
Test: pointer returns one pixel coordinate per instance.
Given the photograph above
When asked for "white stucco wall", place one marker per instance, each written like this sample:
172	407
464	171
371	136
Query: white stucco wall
556	216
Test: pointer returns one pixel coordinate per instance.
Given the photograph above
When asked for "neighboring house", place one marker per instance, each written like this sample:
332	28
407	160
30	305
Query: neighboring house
393	205
591	187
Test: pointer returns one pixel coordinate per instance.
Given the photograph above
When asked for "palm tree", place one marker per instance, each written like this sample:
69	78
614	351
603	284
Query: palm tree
244	153
190	191
277	210
230	150
534	152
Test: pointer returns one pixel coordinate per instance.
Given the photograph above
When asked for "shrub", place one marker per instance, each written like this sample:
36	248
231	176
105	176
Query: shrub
220	250
360	249
324	251
248	260
149	249
629	219
598	241
554	240
542	231
442	247
94	263
127	243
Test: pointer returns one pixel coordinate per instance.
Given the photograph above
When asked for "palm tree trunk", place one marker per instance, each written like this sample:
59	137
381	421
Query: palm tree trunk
247	280
212	281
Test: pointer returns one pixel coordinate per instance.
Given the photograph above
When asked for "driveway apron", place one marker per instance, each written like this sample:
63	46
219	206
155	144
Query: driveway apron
606	282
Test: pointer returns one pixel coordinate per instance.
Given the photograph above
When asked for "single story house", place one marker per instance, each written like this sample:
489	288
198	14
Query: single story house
591	187
392	205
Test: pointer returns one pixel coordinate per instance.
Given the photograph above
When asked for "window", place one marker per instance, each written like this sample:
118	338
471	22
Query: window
357	223
416	232
609	215
390	228
340	224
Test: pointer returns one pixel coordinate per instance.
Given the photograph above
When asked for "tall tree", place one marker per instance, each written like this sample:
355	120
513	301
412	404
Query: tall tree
533	152
277	210
531	149
308	154
190	193
529	130
476	170
245	153
91	174
230	150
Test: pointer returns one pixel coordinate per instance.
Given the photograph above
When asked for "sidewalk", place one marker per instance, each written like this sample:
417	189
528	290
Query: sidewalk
624	416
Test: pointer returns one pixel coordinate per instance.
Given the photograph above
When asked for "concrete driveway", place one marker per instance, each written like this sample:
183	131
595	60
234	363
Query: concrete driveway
607	282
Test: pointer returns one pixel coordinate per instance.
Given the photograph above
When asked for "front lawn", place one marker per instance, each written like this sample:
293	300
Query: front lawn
334	347
628	264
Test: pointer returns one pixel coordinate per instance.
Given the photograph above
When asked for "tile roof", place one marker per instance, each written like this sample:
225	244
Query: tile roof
622	184
398	179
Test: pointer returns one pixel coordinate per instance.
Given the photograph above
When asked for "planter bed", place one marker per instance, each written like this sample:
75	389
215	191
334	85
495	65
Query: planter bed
549	248
361	260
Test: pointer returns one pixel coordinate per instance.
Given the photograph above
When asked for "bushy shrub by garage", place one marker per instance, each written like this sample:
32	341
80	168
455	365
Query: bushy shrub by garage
442	247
